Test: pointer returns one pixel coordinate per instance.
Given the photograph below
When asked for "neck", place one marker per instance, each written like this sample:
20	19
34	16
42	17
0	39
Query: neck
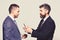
47	15
12	15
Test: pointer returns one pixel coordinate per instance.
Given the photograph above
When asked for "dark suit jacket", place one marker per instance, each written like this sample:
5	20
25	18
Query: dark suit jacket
10	30
46	31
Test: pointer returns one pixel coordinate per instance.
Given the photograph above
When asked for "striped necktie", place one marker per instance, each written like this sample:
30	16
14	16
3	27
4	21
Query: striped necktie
15	22
42	21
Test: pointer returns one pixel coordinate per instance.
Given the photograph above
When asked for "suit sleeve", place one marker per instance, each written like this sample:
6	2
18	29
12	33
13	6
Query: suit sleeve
45	32
7	31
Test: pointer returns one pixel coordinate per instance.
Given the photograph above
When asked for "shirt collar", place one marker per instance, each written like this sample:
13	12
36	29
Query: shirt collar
11	17
46	18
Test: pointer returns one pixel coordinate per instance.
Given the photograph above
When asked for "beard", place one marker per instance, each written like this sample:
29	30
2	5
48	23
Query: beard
15	16
42	16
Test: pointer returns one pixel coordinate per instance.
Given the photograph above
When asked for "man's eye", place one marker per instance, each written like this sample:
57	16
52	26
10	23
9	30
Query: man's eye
18	11
41	10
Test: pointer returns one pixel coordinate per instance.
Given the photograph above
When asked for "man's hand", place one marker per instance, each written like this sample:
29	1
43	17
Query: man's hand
24	36
28	29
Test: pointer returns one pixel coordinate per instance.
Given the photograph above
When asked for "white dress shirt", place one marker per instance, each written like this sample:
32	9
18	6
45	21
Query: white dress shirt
13	19
45	19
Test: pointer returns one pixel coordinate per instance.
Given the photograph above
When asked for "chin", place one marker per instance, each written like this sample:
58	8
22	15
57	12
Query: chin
40	16
16	17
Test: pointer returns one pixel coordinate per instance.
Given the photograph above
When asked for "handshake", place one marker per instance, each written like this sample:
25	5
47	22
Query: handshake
28	30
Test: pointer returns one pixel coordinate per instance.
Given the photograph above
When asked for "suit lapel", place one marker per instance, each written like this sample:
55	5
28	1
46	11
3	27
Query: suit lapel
12	21
44	22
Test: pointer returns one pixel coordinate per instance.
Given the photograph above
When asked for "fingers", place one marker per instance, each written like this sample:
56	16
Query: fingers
24	36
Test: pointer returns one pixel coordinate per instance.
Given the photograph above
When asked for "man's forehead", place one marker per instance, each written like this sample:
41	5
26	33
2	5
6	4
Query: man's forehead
14	8
42	8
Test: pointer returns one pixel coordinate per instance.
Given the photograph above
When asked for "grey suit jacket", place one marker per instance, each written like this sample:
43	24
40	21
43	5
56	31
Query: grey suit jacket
10	30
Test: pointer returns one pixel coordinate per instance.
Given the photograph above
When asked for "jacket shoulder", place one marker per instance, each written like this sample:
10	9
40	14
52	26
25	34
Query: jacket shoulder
7	21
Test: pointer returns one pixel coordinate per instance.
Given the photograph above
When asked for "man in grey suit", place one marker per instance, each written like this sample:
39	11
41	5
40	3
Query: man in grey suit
10	29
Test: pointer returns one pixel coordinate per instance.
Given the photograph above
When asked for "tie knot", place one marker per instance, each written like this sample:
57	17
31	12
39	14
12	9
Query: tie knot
42	20
14	20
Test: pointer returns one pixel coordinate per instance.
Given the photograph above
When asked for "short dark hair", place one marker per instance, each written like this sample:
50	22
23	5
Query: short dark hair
11	6
46	6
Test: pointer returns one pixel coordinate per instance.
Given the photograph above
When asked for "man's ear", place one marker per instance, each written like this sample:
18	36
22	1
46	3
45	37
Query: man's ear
46	11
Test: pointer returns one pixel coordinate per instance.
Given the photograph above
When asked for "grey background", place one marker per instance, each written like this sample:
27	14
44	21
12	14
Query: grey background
29	14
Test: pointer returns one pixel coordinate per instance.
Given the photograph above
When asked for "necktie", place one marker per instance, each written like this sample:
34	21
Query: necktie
42	21
15	22
40	24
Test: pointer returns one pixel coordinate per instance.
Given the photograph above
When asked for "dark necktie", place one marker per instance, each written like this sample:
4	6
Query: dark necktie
42	22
